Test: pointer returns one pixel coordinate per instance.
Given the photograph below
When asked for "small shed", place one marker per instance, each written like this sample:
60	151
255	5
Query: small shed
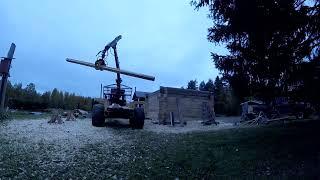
182	104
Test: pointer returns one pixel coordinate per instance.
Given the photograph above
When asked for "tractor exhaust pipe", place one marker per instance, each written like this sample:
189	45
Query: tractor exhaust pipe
115	70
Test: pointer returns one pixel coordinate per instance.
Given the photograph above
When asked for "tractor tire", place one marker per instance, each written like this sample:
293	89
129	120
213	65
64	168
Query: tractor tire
98	115
300	115
137	121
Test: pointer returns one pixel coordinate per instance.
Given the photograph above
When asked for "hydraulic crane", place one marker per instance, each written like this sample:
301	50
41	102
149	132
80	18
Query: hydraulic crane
114	105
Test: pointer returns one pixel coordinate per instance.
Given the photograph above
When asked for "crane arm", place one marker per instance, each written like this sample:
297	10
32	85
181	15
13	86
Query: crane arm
112	44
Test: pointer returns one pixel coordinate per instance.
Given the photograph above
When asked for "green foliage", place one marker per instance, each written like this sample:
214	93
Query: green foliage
45	98
209	85
202	86
54	98
29	99
193	84
226	101
206	86
267	40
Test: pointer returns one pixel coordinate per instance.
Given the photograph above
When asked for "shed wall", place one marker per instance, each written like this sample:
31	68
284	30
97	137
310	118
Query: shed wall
185	104
152	107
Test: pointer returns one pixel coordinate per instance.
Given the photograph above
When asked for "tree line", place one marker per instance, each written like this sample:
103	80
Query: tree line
225	101
27	98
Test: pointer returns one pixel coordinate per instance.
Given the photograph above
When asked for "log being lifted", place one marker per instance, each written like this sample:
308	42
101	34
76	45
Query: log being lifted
115	70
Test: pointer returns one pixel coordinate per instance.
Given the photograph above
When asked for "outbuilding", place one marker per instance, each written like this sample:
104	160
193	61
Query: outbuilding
179	104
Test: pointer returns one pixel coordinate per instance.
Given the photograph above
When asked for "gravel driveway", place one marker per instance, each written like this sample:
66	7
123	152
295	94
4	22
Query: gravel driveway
35	149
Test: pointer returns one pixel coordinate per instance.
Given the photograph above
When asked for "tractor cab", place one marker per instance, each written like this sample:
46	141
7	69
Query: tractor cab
115	95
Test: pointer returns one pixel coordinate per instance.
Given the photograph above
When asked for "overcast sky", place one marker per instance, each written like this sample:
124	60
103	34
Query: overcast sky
164	38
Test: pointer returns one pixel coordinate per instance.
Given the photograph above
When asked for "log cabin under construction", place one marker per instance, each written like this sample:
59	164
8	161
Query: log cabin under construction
181	104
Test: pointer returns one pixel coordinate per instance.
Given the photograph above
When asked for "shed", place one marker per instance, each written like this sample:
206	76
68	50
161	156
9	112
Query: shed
182	104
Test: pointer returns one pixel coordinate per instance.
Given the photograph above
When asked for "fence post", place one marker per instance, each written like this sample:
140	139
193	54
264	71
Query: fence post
4	68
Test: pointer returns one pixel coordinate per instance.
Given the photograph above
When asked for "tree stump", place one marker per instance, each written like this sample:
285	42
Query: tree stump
56	118
208	115
70	116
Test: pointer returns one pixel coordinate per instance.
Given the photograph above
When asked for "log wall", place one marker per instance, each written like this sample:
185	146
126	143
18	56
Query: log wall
185	104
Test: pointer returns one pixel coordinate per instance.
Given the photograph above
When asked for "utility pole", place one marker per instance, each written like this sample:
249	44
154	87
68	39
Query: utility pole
4	71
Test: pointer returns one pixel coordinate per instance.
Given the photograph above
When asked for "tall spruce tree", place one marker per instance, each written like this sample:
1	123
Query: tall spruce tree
268	40
202	86
193	84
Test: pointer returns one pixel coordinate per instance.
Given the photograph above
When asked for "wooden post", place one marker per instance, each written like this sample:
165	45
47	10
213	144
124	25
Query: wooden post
5	66
101	91
178	110
172	118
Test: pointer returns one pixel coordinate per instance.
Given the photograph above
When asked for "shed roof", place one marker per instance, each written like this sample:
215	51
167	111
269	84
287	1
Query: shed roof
252	102
186	92
140	94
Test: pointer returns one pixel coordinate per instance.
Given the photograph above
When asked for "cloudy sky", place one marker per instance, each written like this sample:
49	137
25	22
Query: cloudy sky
163	38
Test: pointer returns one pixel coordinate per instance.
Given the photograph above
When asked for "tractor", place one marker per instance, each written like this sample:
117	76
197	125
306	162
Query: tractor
113	103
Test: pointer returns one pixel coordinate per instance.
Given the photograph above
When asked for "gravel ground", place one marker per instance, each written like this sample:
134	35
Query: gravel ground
53	147
35	149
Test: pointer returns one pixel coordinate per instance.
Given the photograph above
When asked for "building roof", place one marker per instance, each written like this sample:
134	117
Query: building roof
252	102
140	94
180	91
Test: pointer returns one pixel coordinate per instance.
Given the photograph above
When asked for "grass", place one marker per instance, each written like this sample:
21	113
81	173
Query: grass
281	152
293	150
27	115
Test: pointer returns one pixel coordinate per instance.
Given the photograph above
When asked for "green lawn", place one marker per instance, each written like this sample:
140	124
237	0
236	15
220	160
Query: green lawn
279	151
27	115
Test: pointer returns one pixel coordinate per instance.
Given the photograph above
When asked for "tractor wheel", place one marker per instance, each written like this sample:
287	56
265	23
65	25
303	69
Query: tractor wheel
300	115
98	115
137	121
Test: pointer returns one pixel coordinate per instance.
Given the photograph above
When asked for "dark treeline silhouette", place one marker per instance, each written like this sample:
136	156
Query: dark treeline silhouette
226	102
27	98
273	47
